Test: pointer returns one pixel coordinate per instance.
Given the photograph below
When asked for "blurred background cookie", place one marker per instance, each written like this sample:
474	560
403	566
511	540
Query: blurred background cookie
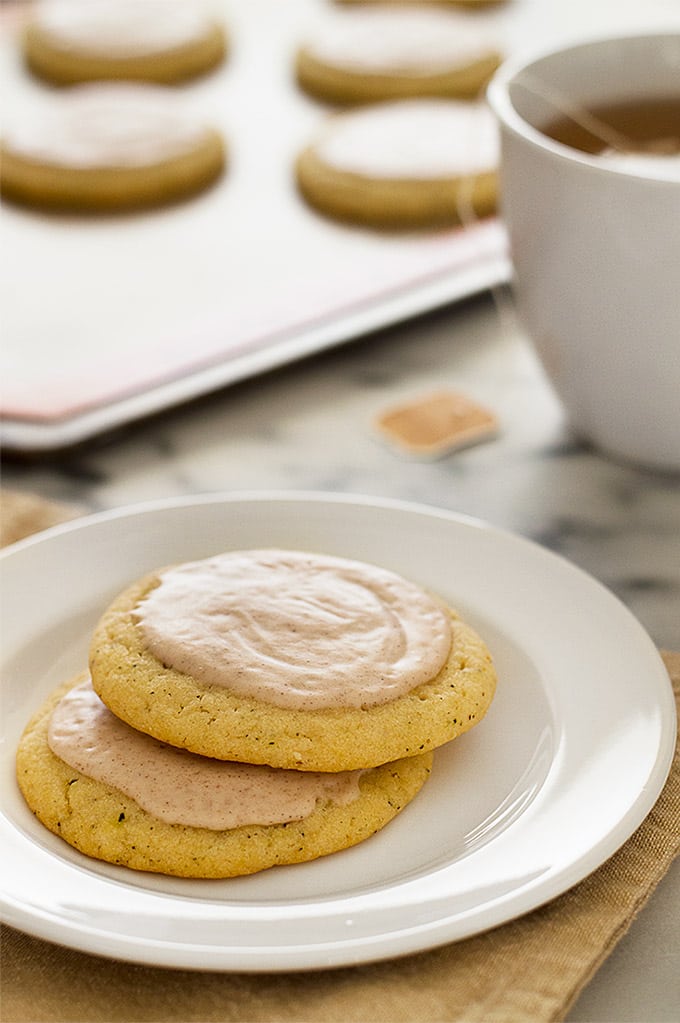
371	55
108	147
163	41
404	164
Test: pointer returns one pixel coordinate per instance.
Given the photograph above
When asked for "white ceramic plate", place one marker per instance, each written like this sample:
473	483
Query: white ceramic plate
567	763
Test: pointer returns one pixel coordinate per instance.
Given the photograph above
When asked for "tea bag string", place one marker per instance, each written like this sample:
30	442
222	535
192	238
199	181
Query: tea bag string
615	141
502	296
579	115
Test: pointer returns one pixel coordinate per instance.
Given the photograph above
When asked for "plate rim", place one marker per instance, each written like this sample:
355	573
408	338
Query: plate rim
312	956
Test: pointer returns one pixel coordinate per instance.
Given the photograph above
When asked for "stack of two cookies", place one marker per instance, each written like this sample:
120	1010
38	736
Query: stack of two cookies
252	709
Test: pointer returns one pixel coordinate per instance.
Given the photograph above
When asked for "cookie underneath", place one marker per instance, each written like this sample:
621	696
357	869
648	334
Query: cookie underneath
103	823
209	719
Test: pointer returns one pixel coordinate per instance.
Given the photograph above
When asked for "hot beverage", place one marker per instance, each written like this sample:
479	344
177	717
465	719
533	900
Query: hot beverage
650	126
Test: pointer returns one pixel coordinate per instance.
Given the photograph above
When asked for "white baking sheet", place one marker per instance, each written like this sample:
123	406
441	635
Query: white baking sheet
106	319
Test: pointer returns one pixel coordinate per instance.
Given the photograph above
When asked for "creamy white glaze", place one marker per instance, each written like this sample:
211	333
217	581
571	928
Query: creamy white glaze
418	139
179	787
402	42
296	630
121	28
104	125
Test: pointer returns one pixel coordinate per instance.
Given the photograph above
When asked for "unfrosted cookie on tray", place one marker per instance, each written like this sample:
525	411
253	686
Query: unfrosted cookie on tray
295	660
372	55
162	41
107	147
404	164
120	796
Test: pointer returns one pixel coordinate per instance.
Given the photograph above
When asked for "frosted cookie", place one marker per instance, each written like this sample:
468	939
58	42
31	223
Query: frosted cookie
108	147
290	659
404	164
394	54
120	796
436	424
162	41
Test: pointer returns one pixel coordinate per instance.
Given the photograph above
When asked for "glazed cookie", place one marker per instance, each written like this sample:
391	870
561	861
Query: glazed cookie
404	164
375	55
120	796
290	659
108	148
162	41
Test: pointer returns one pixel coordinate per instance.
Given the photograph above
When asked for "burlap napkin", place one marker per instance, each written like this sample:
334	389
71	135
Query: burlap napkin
22	514
526	971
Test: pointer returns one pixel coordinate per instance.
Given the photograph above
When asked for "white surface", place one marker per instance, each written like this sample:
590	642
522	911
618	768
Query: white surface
534	798
596	245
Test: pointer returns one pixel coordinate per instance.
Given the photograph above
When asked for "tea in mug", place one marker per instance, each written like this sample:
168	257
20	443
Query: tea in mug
649	126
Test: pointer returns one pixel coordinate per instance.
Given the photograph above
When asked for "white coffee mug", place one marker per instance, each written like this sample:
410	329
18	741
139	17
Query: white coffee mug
595	244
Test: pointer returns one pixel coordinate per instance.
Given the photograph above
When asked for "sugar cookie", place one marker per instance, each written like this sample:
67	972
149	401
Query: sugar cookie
404	164
107	148
162	41
375	55
316	663
105	822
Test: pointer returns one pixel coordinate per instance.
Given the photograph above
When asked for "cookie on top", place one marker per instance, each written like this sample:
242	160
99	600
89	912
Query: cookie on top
290	659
